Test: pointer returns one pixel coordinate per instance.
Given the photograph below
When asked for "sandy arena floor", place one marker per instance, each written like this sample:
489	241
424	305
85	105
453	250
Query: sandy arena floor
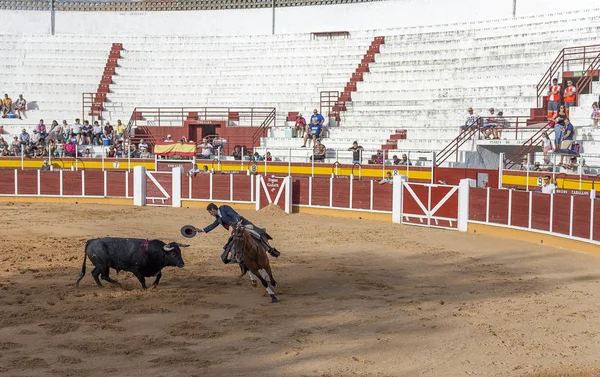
356	298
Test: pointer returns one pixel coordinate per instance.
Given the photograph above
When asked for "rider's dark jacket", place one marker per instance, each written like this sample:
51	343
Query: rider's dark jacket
227	217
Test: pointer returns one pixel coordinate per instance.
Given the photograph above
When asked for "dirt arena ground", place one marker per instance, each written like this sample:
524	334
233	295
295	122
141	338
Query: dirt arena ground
357	298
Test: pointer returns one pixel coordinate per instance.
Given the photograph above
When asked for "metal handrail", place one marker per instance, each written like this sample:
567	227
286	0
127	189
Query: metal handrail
528	145
565	55
458	141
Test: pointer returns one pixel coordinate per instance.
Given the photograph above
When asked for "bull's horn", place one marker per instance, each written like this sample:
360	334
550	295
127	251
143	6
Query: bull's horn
182	245
167	248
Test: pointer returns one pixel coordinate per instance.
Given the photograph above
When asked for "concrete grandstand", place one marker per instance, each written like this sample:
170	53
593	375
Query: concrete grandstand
422	80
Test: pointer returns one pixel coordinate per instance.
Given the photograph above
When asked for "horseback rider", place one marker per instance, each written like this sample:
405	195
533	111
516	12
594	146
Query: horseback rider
228	217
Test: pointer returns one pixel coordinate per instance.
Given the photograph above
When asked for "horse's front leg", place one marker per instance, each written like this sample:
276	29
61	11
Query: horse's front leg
252	279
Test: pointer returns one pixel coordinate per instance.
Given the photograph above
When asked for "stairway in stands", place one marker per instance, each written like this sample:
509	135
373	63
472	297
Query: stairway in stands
99	98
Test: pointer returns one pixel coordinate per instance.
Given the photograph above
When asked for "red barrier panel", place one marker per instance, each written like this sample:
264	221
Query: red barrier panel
320	192
540	216
477	203
581	216
7	182
185	186
561	214
520	208
115	183
449	208
341	193
94	182
242	187
499	206
27	182
361	194
382	197
49	183
596	232
221	187
201	187
72	183
300	188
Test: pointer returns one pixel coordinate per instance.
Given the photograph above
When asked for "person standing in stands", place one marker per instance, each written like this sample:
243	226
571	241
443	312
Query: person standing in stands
356	152
553	99
320	120
569	96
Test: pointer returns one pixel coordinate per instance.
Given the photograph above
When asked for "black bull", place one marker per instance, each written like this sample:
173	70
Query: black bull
141	257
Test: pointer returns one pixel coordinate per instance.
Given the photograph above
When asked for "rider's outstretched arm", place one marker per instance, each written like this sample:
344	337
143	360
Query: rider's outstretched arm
210	227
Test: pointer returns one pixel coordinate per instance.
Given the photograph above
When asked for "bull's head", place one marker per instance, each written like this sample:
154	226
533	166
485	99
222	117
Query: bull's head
173	254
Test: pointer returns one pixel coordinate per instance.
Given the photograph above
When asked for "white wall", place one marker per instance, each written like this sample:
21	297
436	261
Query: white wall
365	16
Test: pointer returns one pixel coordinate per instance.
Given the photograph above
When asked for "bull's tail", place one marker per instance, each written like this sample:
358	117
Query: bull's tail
84	261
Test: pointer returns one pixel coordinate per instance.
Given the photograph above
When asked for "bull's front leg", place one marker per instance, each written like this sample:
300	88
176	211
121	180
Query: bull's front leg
157	280
141	278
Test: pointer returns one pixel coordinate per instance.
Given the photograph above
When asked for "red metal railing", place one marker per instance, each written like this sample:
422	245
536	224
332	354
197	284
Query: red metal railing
328	99
515	157
91	107
581	54
260	117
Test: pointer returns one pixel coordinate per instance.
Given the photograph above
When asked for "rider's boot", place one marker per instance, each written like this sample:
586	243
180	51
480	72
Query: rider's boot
243	269
271	250
224	256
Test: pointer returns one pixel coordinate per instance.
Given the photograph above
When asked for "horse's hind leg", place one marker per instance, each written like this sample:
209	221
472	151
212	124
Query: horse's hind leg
265	284
270	273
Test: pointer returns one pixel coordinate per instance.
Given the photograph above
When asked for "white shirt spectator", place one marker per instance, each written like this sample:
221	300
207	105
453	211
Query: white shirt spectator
206	149
548	189
143	147
76	128
98	129
35	137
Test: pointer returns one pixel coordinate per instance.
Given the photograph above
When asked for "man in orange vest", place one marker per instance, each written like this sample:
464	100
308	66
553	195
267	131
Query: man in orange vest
569	96
553	99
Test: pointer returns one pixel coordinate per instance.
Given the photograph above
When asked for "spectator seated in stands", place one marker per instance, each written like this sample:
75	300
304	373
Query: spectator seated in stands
120	130
109	133
169	139
249	156
87	133
41	128
15	147
237	153
268	157
568	132
143	148
70	148
501	123
258	157
404	160
35	137
471	122
97	132
547	185
45	166
300	126
4	148
76	135
388	179
318	117
66	130
87	153
218	144
24	137
6	105
572	166
60	150
50	147
357	151
119	148
20	106
111	152
206	149
490	125
39	151
395	160
319	151
133	151
524	165
315	132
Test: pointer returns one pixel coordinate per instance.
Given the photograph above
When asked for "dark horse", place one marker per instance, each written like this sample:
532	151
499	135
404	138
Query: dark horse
253	255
